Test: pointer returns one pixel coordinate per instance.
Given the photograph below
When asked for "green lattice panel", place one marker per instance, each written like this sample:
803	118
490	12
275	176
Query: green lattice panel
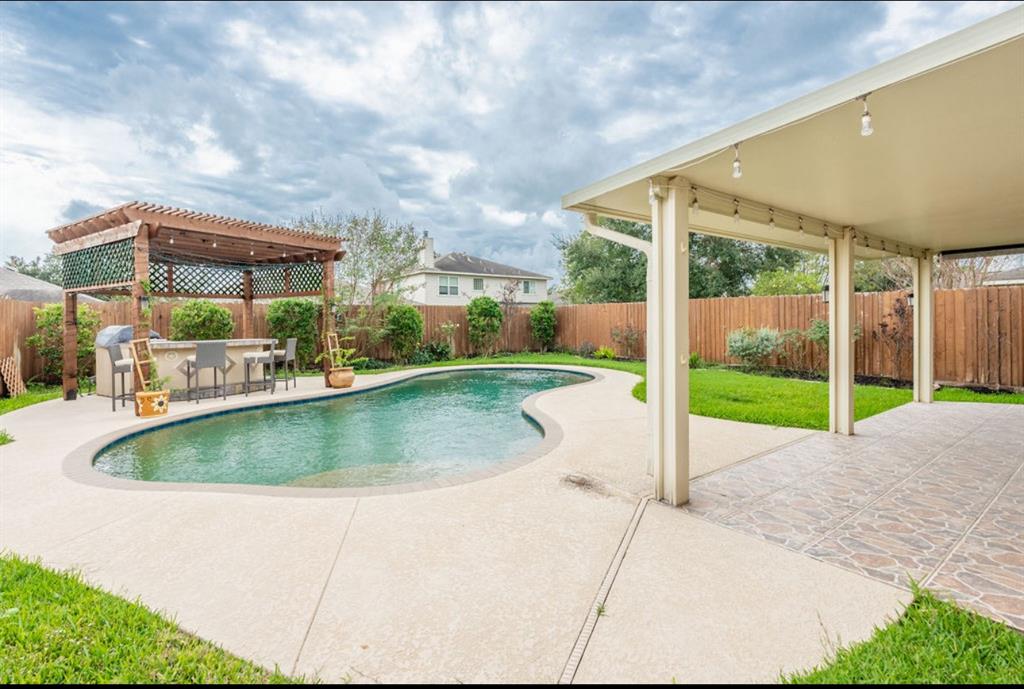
158	277
307	277
267	281
105	264
189	279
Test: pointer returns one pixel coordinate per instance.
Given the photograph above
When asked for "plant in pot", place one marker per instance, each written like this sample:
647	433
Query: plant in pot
341	361
155	398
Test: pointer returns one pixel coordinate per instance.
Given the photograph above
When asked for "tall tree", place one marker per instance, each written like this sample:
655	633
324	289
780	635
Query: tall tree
45	267
597	270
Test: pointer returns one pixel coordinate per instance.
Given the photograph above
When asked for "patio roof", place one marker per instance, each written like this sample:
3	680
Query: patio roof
192	234
943	170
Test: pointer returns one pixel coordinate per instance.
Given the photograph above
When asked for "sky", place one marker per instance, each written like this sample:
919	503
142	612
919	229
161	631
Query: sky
468	120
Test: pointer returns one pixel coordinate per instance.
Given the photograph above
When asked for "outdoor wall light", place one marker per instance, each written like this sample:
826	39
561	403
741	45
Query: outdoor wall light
824	293
144	302
910	299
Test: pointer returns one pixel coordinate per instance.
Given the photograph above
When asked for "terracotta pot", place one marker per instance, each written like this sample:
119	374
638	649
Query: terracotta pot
153	403
341	377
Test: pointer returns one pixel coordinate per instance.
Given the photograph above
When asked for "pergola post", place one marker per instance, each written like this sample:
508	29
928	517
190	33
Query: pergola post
924	369
328	312
140	320
668	331
70	374
247	314
840	333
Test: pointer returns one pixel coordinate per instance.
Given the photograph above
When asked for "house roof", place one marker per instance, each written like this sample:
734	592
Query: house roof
1012	274
941	172
458	262
19	287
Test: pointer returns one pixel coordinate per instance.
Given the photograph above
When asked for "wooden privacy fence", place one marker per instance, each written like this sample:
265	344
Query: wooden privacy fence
979	333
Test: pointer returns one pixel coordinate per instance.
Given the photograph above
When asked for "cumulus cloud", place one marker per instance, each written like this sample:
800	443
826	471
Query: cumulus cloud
468	120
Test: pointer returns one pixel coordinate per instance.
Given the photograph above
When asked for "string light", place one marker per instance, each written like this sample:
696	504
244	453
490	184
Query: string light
172	240
737	170
800	224
695	205
771	218
736	213
865	120
214	243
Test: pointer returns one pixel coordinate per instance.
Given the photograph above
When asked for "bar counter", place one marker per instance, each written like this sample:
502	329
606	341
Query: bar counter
170	357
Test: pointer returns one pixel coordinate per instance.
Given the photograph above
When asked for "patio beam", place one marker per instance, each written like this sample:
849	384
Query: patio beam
840	333
69	379
668	332
924	367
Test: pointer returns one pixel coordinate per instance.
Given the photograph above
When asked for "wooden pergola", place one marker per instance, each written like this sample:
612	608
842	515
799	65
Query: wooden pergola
146	249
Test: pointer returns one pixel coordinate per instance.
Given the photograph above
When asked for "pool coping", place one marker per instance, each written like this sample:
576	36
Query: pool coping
78	464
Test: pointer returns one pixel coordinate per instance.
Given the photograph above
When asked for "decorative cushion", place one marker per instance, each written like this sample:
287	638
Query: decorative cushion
123	362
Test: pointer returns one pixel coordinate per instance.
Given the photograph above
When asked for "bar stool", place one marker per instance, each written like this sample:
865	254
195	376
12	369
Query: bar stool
118	364
208	355
283	356
254	359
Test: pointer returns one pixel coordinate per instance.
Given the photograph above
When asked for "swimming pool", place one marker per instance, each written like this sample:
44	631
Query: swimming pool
428	427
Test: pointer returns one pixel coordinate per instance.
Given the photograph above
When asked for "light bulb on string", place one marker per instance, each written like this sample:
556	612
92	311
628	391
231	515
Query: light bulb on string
771	218
695	205
736	212
737	169
865	120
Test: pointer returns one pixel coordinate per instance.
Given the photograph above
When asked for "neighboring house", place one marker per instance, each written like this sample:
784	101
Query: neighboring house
19	287
1013	276
456	278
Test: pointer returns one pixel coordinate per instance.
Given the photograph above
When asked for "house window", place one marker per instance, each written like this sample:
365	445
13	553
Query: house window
478	284
528	287
448	286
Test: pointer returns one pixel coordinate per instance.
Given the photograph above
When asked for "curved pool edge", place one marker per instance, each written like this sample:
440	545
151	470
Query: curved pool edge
78	464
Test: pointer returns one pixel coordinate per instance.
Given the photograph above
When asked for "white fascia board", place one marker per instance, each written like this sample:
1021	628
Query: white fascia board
438	271
970	41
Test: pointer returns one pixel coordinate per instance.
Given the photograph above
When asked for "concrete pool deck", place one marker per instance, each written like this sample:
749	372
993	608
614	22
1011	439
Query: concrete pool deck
485	581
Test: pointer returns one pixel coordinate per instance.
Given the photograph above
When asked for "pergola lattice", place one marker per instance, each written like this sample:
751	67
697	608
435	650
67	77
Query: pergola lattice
146	249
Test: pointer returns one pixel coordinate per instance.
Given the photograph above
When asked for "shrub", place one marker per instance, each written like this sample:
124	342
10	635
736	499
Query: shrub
604	353
404	330
754	347
201	319
48	340
817	333
296	318
695	360
542	323
436	350
484	316
628	340
586	349
785	281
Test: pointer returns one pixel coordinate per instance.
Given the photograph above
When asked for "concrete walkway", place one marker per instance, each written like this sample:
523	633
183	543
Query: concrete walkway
485	581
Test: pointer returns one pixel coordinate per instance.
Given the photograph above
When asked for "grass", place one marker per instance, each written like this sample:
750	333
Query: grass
933	642
5	437
726	393
36	393
56	629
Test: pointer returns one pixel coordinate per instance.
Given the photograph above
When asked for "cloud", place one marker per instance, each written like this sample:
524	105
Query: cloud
469	120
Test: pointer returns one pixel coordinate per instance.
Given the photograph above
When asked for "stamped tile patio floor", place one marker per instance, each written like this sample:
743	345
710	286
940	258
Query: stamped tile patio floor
930	493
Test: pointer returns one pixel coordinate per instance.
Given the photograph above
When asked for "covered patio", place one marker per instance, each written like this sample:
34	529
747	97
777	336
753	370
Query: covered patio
921	156
145	250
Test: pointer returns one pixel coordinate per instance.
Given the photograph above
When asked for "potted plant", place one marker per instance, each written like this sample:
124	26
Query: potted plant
342	363
155	398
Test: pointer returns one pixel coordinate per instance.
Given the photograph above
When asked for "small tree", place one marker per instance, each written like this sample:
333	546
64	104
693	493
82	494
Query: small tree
818	334
296	318
628	340
542	323
484	317
201	319
896	330
48	340
404	330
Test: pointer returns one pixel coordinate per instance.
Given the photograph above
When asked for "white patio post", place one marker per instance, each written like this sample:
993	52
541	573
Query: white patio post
924	370
668	375
840	333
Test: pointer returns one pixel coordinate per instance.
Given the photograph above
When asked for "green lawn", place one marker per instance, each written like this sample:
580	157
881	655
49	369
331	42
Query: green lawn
56	629
934	642
726	393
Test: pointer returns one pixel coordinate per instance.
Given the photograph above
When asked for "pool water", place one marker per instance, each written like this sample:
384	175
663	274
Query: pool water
436	425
